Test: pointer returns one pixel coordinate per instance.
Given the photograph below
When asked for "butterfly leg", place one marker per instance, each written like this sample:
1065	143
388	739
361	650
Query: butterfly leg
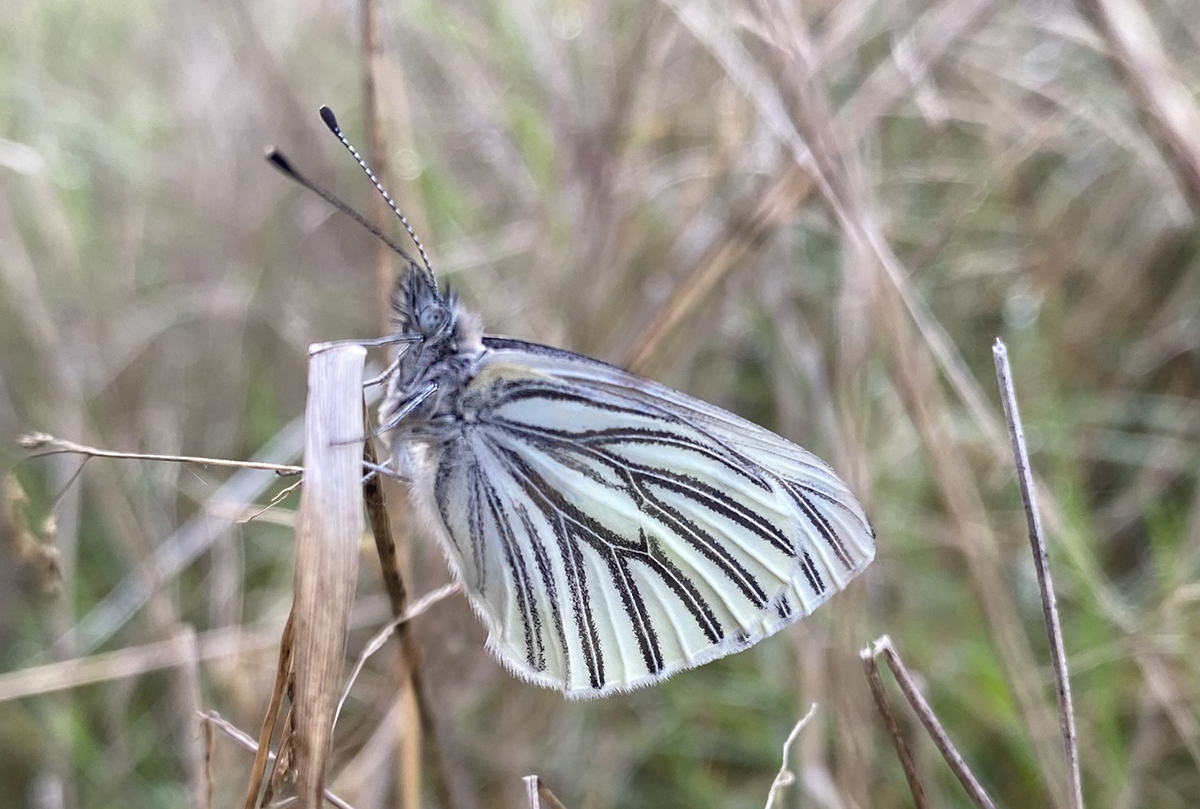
409	406
387	372
383	469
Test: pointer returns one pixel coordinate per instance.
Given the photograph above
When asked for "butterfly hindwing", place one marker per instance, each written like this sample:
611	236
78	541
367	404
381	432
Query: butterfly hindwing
611	531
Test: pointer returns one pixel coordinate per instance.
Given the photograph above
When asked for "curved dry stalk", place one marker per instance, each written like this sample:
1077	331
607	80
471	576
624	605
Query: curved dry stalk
376	642
214	719
785	776
283	670
381	258
43	444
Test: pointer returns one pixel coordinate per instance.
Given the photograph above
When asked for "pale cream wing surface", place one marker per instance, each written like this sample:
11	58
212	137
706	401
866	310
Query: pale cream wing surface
611	531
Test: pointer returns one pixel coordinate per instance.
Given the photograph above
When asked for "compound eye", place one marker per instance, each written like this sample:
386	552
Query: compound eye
433	319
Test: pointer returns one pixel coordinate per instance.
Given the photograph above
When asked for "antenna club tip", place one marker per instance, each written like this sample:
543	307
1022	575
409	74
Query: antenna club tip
329	118
276	158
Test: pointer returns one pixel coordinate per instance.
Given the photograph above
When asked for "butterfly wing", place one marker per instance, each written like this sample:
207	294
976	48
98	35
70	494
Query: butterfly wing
611	531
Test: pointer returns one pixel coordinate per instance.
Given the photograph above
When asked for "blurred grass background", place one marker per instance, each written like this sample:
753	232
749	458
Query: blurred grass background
819	216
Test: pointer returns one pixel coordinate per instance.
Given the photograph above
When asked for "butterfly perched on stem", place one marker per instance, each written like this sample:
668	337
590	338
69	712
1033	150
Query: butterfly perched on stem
609	531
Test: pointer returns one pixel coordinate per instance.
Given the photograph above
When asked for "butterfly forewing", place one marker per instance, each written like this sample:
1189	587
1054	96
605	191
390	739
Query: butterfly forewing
611	531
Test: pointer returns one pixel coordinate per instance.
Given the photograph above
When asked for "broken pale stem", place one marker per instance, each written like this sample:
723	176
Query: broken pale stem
920	799
940	738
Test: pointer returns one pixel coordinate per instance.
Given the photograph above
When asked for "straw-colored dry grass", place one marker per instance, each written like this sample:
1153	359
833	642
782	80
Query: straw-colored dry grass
819	217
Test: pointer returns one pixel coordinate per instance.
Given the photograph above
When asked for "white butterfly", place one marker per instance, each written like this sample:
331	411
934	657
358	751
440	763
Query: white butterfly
608	530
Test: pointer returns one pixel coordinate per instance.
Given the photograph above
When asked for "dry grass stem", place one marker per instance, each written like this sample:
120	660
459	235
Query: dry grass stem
774	207
377	153
283	672
786	777
242	738
283	770
381	529
188	690
42	444
121	663
209	749
883	645
276	500
1041	562
329	528
413	691
1167	105
182	547
379	638
871	667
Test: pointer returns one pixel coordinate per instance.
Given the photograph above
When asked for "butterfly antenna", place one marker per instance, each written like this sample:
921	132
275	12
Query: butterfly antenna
331	121
285	167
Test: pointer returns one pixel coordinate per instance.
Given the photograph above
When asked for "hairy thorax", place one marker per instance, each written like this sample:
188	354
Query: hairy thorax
451	371
445	361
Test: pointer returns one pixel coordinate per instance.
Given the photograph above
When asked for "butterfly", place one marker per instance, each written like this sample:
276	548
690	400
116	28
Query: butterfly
608	530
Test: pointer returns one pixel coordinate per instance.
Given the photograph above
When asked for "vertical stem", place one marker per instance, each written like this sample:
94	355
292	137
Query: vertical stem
410	663
1041	562
415	714
188	685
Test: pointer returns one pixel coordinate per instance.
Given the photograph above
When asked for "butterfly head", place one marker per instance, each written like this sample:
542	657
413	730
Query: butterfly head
420	308
441	353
